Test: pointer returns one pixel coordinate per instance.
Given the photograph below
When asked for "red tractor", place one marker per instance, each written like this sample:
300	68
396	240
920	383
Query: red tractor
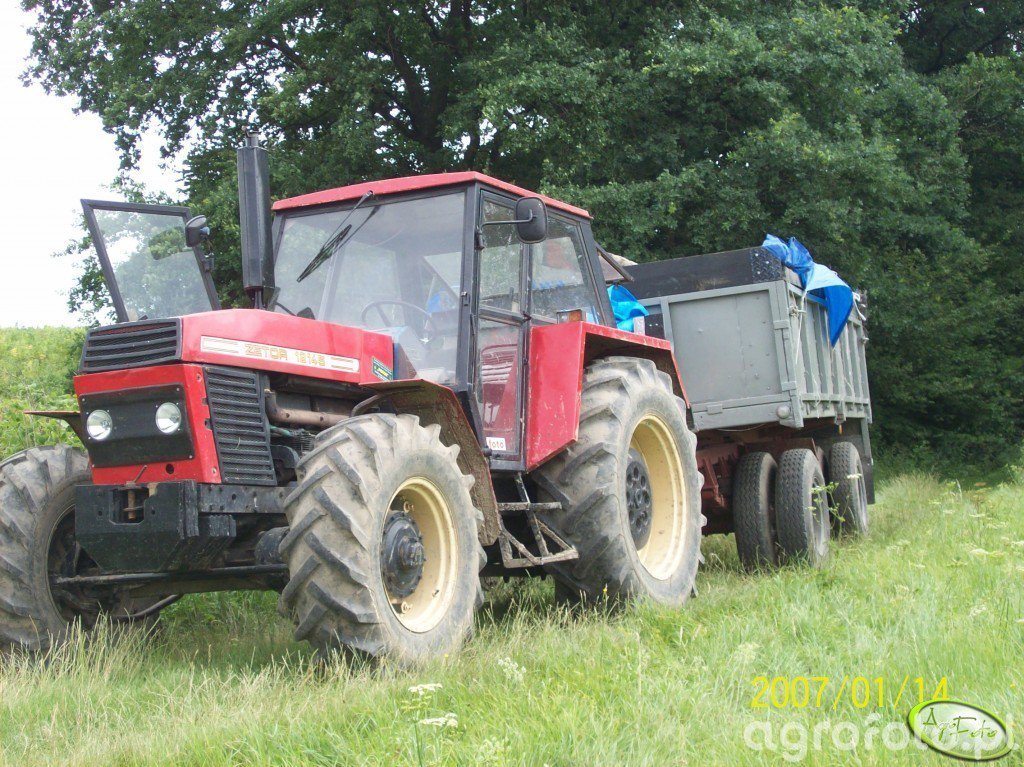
429	388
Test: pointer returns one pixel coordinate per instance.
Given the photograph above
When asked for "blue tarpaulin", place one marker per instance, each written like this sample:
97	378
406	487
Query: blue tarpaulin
625	307
817	280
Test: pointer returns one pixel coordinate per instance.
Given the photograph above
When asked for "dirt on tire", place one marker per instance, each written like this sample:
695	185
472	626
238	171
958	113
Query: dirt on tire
589	480
336	593
37	497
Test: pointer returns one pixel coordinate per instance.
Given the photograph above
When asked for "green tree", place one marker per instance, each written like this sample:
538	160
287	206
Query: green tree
944	33
972	52
685	126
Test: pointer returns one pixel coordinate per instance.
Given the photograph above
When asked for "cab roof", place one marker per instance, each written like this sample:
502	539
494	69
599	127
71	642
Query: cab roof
415	184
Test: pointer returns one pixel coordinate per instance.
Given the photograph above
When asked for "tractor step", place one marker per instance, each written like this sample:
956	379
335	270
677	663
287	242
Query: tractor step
548	545
521	506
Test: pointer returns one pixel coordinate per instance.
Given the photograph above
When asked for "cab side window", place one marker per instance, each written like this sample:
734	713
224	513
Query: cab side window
499	336
500	260
559	279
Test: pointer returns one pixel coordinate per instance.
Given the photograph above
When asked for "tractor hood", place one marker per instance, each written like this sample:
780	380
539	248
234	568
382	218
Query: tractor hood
245	338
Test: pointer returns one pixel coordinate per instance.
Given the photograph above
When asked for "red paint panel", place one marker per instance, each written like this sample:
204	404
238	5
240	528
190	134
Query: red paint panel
558	355
204	467
265	336
417	183
553	393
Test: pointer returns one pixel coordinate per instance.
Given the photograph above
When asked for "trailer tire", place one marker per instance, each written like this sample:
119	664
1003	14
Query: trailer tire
37	501
383	548
753	510
849	496
801	509
629	488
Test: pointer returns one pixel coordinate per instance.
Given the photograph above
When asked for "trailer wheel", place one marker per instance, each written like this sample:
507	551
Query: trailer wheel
801	508
850	496
382	548
629	489
37	542
753	510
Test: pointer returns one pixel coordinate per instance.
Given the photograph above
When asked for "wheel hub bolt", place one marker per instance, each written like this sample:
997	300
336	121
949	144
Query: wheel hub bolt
410	554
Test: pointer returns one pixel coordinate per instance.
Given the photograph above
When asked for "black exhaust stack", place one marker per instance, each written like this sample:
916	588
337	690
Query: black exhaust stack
254	217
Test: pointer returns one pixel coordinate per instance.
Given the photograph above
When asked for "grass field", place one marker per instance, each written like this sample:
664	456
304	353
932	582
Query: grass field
934	593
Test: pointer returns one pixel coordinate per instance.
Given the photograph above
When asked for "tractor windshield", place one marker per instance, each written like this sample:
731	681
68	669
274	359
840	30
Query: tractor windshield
149	268
393	267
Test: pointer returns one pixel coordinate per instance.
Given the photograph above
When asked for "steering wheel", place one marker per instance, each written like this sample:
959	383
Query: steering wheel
428	320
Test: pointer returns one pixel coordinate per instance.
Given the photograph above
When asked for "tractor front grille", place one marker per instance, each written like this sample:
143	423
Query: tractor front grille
131	345
241	430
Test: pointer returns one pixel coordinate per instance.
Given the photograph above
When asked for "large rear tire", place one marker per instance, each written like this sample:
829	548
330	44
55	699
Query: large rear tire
850	495
383	547
629	488
753	510
37	542
801	508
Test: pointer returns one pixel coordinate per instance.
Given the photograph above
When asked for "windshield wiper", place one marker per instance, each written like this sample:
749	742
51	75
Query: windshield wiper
335	241
327	250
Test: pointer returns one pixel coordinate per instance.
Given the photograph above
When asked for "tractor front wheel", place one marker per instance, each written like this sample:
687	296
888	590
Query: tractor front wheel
37	545
629	488
383	548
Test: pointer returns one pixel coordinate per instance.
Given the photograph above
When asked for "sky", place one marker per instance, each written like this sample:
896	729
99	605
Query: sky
51	158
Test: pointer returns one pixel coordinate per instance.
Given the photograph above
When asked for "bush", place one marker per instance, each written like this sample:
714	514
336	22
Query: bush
36	370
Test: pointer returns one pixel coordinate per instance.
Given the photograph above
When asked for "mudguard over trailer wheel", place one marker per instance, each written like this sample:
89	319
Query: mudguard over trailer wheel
849	496
753	510
383	549
629	488
801	508
37	542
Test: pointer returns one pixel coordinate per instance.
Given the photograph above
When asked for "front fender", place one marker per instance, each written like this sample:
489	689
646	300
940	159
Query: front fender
558	355
71	417
435	404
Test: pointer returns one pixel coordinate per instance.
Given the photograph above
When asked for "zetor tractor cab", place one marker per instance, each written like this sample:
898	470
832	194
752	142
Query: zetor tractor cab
429	388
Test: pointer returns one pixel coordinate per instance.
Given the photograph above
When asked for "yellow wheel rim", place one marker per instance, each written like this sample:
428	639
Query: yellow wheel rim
424	608
663	549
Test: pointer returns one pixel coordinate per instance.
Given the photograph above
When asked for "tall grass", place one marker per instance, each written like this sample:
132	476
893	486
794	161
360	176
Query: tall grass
934	592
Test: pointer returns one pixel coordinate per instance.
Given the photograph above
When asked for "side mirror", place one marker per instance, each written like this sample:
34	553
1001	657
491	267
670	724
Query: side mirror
196	231
531	220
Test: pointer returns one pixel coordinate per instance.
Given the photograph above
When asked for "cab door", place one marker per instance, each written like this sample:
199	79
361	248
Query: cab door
501	331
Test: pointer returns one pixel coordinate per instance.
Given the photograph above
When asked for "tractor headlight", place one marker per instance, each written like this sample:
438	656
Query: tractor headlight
99	425
168	418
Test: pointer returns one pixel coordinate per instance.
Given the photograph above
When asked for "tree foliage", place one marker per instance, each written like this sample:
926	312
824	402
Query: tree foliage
885	134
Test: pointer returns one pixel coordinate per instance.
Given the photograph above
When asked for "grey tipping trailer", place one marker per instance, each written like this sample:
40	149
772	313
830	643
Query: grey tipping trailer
762	378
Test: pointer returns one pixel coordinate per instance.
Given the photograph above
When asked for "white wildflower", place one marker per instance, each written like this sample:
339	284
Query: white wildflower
745	652
448	720
979	552
513	671
424	689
